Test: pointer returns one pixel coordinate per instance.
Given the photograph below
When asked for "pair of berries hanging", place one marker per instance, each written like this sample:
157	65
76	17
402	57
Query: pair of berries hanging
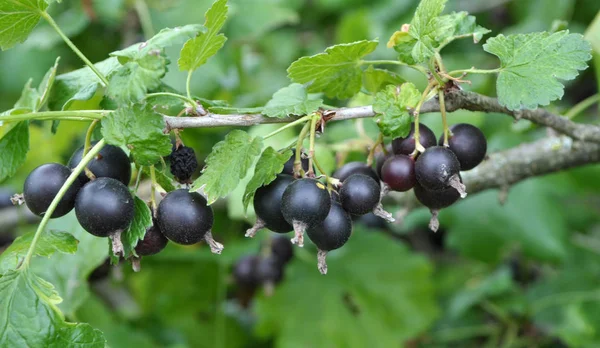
435	173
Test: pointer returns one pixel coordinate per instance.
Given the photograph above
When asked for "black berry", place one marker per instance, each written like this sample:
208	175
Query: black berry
436	168
398	173
269	270
42	185
305	202
468	144
380	159
406	145
436	199
184	217
183	163
330	234
359	194
267	204
110	162
154	241
281	249
104	206
348	169
288	167
244	271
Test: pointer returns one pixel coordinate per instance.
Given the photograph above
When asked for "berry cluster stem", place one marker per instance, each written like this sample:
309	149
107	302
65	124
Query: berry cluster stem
311	147
71	45
298	159
418	146
378	142
63	190
291	124
87	146
153	189
444	118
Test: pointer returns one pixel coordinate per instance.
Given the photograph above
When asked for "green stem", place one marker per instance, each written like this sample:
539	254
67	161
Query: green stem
173	95
444	118
311	147
87	115
138	178
291	124
378	142
582	105
434	71
69	43
87	145
474	71
63	190
395	62
439	61
188	82
298	159
153	189
141	8
418	146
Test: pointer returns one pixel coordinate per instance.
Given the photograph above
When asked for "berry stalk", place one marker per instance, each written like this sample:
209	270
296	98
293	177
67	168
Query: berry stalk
298	171
311	146
418	146
63	190
444	118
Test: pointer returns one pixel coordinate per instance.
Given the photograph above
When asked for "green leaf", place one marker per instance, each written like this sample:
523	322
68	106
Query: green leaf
458	25
131	81
291	100
375	80
142	219
29	98
403	43
161	178
268	166
30	318
424	27
393	104
69	272
140	129
228	162
13	149
387	296
336	72
17	20
45	86
164	38
49	243
196	51
75	87
531	65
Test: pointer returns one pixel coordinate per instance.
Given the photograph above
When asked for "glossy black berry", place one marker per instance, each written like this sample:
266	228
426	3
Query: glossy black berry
359	194
406	145
244	271
42	185
183	163
436	199
281	249
306	201
104	206
436	167
398	173
110	162
269	270
288	167
334	231
154	241
267	204
348	169
184	217
468	144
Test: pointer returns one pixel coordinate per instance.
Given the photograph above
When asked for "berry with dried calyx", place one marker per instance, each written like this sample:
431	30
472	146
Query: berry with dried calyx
398	173
42	185
359	194
110	162
330	234
267	205
437	169
468	144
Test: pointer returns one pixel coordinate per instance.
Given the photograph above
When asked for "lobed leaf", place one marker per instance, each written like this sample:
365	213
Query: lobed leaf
268	166
291	100
393	104
140	129
336	72
375	80
17	20
131	81
196	51
227	164
531	65
14	146
142	219
424	27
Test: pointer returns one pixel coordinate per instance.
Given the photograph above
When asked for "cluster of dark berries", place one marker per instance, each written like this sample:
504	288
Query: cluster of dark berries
435	173
265	269
306	205
104	206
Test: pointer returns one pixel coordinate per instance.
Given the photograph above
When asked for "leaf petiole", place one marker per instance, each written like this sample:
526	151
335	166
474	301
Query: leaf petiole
395	62
291	124
173	95
87	115
474	71
311	147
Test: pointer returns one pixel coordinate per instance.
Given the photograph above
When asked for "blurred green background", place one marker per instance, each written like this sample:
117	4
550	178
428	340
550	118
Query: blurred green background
522	274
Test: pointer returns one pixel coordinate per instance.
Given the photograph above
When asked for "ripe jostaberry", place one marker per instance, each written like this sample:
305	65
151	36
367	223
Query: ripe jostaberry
351	168
380	159
110	162
436	200
359	194
468	144
42	185
153	243
437	169
305	202
267	205
185	218
398	173
330	234
406	145
288	167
